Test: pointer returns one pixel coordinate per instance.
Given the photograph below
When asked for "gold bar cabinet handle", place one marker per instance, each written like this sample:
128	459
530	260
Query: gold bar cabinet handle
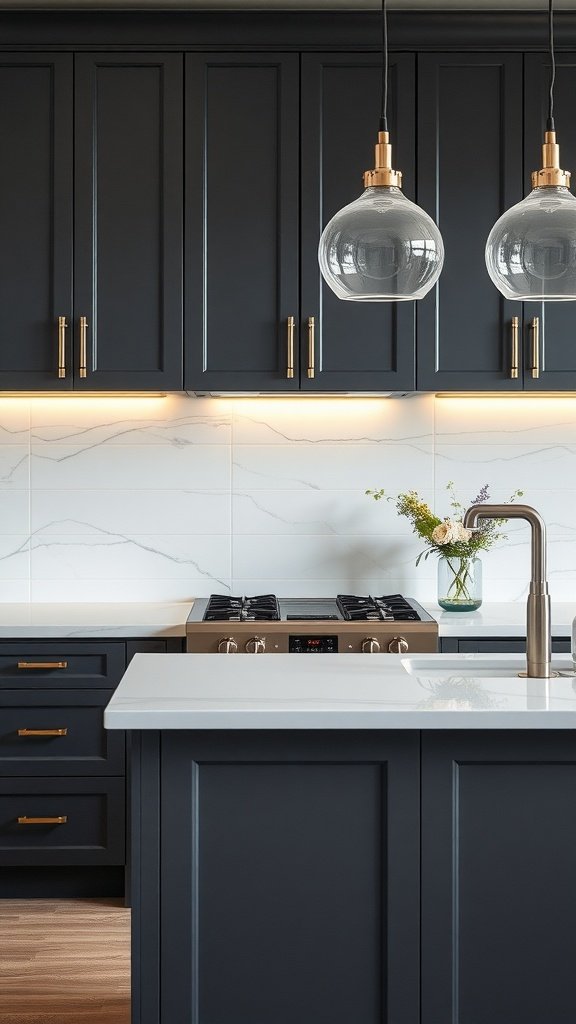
83	345
62	325
535	332
43	732
42	664
311	327
61	819
290	339
515	347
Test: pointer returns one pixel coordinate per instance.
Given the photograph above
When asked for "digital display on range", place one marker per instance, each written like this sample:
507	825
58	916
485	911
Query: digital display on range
313	644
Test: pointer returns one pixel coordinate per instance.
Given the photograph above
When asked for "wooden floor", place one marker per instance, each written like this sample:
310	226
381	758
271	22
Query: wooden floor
64	962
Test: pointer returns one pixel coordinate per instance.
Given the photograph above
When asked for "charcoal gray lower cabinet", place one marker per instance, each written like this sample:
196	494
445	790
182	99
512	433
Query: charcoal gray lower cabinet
498	879
58	762
377	877
276	877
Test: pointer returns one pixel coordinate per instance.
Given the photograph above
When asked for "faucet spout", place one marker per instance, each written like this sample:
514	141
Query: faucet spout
538	625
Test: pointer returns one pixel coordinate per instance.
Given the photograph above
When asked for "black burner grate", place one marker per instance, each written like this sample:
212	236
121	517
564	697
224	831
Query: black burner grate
391	608
222	608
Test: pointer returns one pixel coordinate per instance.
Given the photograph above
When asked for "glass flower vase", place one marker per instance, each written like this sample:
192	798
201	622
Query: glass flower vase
459	584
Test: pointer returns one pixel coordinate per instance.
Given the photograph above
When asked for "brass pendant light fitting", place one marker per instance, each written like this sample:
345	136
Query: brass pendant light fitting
551	174
383	174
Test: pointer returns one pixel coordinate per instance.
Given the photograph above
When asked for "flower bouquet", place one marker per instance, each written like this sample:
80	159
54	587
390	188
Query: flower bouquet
459	569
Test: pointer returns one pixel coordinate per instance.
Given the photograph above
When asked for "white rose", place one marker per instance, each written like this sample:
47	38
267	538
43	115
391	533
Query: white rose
462	534
442	534
450	531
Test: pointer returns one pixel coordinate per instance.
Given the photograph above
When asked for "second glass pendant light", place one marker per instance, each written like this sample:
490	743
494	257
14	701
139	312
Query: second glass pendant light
531	250
382	247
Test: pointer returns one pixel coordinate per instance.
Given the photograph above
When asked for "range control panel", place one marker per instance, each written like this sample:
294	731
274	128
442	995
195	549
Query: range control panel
313	644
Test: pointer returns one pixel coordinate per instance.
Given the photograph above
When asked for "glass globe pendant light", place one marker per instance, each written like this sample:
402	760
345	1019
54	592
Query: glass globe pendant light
381	247
531	250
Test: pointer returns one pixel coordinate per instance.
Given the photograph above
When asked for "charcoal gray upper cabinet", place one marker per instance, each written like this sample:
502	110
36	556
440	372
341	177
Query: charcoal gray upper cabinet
91	192
128	222
469	172
356	346
272	152
36	216
242	144
550	353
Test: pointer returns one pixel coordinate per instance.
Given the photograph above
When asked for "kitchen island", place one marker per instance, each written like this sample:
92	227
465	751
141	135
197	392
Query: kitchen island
335	839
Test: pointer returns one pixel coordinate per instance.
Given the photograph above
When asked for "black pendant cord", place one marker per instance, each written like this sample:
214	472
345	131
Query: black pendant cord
384	104
550	121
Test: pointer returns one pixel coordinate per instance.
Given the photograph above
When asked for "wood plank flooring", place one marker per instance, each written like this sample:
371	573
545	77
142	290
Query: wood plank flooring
64	962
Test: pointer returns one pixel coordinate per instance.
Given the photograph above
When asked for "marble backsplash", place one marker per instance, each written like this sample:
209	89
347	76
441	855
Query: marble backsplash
166	499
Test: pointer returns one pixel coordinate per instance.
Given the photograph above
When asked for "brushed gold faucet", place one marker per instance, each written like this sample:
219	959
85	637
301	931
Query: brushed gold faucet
538	632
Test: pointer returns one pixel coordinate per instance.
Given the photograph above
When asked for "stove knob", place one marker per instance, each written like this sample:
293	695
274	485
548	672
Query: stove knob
398	645
370	645
256	645
227	645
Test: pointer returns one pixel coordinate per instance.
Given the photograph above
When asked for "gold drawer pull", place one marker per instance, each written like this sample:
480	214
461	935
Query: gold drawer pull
311	327
60	820
515	348
62	325
83	345
42	664
43	732
290	354
535	331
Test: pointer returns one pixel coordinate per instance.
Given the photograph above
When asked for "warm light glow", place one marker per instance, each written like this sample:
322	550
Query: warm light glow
316	406
505	396
55	396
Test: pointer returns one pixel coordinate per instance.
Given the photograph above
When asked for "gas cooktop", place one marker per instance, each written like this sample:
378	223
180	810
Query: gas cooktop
346	623
342	608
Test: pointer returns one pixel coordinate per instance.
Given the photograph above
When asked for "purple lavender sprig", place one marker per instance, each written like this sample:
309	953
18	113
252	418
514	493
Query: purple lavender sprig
482	496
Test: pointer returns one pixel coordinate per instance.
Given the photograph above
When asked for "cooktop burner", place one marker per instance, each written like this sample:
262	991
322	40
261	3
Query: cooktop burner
345	607
222	608
391	608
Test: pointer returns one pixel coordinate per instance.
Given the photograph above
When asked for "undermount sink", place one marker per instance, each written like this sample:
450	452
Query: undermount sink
459	665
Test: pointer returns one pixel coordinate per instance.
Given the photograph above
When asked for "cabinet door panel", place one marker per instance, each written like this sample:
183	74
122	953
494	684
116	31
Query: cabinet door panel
557	319
469	171
358	346
36	107
275	886
128	254
242	221
498	882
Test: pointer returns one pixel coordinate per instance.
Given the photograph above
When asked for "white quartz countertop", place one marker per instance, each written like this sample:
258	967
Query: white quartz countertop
163	619
495	619
336	691
80	621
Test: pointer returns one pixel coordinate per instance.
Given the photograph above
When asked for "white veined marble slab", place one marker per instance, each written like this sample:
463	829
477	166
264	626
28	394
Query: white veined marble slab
498	619
335	691
124	619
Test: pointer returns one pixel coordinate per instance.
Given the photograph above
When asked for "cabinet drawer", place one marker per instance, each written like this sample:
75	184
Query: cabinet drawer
58	732
60	664
92	832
